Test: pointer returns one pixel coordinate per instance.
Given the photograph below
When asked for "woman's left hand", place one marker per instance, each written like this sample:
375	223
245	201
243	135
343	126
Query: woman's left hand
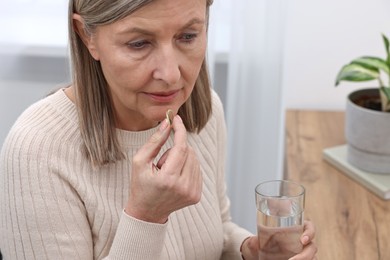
250	246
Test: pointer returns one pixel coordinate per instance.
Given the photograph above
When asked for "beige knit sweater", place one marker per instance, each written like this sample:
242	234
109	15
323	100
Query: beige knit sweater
55	205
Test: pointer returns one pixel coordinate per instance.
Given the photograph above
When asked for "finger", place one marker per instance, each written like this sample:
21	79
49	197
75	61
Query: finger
163	158
279	207
177	156
151	148
180	131
308	232
308	252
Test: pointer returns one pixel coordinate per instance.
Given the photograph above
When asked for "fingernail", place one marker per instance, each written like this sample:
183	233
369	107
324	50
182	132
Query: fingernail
305	239
164	125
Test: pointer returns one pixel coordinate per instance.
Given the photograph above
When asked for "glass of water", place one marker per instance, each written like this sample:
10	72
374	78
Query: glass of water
280	208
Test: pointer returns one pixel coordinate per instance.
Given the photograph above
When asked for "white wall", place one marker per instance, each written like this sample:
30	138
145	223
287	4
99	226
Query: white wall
25	79
33	40
323	35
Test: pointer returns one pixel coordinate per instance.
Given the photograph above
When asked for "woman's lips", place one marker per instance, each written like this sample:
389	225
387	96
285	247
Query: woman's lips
163	97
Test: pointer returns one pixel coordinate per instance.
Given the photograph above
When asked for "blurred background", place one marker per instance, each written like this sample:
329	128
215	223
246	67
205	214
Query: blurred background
265	56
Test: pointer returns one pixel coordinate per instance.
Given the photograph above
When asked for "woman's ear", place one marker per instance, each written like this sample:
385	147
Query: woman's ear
86	37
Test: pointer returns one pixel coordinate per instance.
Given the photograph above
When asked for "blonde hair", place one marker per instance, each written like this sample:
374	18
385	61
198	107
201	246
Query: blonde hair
94	106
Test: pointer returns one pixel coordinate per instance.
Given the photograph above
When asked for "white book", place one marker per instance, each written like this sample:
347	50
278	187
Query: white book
377	183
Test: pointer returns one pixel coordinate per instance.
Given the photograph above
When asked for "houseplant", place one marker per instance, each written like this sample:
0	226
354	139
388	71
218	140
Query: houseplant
368	113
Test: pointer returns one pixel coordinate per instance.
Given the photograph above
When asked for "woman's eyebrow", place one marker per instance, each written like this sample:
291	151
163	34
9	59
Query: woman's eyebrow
136	30
192	22
150	33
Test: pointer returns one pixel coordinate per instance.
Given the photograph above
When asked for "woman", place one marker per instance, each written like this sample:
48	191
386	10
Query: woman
96	171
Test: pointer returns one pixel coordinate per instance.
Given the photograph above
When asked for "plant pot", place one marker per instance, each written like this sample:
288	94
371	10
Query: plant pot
368	134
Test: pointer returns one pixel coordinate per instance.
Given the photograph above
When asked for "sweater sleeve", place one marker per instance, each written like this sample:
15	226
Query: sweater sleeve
145	239
233	234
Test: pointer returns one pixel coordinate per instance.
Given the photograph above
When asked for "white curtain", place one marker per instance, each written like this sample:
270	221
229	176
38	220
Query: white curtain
254	96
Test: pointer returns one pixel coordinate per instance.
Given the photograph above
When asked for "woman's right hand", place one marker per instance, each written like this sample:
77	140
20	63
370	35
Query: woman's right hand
174	183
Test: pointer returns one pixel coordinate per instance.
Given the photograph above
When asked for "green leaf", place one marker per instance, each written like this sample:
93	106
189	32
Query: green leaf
373	63
356	72
386	91
387	47
387	44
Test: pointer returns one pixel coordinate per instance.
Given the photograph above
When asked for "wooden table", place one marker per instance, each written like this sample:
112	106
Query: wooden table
351	222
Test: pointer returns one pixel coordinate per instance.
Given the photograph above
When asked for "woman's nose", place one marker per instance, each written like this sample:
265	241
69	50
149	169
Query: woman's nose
167	65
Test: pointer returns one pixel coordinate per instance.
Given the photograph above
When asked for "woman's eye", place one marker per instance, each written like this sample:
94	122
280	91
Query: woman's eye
188	37
138	44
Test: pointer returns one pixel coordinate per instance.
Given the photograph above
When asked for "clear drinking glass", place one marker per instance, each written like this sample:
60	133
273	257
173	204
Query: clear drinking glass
280	208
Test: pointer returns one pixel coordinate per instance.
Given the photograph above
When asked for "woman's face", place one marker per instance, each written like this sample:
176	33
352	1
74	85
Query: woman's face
151	59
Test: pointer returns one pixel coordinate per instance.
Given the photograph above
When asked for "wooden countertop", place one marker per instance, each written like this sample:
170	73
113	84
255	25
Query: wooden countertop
351	222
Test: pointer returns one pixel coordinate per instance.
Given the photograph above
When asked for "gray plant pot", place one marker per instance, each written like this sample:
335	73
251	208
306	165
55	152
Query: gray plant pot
368	135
